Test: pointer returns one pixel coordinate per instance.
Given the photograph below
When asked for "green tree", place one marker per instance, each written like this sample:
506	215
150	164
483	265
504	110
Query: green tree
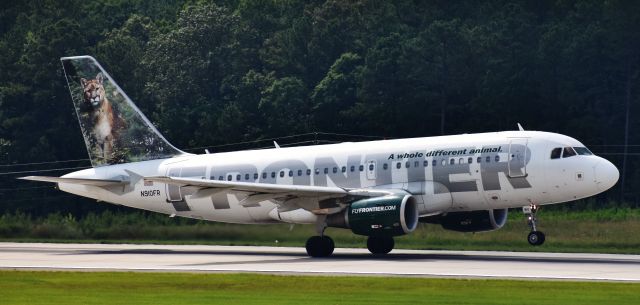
191	69
337	93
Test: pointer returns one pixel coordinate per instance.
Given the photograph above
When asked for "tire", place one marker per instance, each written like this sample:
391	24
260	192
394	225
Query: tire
536	238
320	246
380	245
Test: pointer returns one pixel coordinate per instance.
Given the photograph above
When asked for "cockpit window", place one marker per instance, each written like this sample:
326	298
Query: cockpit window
568	152
556	153
583	151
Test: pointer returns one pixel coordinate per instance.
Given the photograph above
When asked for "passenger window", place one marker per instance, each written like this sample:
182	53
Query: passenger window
556	153
281	174
255	176
220	178
479	160
352	168
452	161
361	167
497	158
470	160
229	177
398	165
299	172
416	164
308	172
264	175
461	161
335	170
385	166
273	174
434	162
371	167
344	169
407	164
317	171
326	170
246	176
444	162
290	173
238	177
568	152
425	163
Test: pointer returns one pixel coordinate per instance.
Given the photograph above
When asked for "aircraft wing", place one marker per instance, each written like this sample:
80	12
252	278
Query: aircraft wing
262	188
83	181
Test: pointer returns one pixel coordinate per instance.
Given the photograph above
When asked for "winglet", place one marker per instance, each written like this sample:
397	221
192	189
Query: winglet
520	127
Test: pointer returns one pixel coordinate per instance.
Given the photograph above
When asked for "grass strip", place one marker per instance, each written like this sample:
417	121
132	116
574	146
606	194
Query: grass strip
37	287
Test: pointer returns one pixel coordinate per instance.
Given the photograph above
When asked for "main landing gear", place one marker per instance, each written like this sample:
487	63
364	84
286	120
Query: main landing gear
320	245
323	246
535	238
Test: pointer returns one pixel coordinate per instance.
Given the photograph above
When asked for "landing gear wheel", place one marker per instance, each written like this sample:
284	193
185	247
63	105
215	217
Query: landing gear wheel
320	246
380	245
536	238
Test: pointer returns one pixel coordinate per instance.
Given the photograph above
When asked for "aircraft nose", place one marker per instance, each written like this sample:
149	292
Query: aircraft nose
606	175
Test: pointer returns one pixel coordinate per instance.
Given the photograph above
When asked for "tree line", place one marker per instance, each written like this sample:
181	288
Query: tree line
208	73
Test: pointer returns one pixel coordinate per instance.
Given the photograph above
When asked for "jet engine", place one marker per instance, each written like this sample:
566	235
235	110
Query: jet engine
474	221
390	215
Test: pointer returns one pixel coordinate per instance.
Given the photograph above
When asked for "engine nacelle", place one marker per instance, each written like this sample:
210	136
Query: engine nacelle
390	215
474	221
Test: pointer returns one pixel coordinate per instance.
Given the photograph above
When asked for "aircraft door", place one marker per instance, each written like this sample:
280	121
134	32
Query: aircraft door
174	193
371	170
517	159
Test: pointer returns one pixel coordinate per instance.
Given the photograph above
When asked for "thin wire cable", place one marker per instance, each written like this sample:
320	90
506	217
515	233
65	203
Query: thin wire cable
44	170
27	188
42	198
285	137
349	135
40	163
249	142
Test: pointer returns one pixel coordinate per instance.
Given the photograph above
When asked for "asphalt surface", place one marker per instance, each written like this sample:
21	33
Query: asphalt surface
289	260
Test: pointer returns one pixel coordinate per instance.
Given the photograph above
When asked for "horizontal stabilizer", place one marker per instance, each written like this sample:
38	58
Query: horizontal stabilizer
83	181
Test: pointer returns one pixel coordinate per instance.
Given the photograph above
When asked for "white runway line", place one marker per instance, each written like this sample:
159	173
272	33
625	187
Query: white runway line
289	260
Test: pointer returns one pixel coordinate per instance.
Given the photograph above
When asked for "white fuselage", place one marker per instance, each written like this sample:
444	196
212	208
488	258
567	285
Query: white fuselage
448	173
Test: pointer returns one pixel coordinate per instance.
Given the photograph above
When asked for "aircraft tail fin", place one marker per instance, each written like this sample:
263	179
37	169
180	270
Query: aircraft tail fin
114	129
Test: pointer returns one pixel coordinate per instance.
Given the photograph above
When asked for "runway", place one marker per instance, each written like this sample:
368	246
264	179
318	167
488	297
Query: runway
289	260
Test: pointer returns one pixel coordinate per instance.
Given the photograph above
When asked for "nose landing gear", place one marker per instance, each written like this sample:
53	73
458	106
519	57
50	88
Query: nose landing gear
535	238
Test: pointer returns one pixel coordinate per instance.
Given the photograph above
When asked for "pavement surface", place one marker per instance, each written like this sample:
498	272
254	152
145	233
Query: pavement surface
289	260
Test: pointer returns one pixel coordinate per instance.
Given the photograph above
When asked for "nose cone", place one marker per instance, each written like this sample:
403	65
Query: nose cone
606	175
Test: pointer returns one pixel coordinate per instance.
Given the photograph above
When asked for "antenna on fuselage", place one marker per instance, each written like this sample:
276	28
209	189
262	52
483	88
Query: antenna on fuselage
276	144
520	127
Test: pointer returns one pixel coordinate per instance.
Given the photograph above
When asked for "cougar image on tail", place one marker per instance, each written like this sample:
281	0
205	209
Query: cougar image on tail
113	128
101	112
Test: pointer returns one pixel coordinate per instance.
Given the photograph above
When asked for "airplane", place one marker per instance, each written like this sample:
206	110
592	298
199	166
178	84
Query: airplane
379	189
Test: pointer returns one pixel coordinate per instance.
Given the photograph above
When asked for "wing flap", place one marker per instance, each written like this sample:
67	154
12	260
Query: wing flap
266	188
